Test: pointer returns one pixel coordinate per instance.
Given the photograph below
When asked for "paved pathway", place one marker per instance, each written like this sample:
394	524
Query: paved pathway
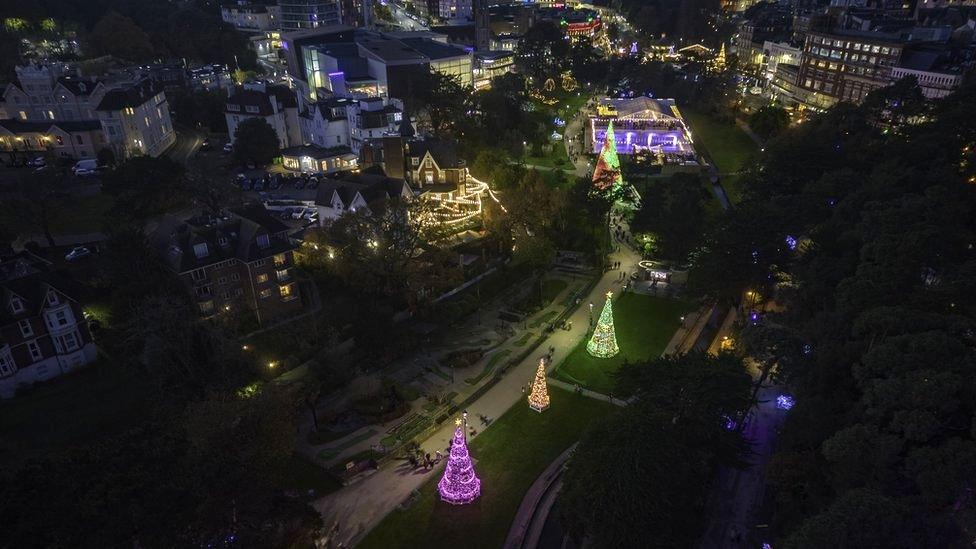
360	507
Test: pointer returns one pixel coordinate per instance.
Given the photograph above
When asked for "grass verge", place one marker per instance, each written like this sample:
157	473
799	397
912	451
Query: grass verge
643	325
509	457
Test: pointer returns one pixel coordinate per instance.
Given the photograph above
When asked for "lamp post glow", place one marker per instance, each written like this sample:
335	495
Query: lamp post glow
459	485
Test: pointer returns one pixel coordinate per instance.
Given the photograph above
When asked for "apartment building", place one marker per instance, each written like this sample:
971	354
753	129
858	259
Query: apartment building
248	16
847	65
275	104
136	121
241	260
309	14
43	331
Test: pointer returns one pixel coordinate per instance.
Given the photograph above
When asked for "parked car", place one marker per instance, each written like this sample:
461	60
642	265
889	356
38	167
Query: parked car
246	184
313	183
206	145
84	166
77	253
258	184
85	172
275	182
229	148
37	162
299	183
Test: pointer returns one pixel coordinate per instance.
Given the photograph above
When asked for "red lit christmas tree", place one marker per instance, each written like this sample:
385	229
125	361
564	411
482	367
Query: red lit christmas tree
606	175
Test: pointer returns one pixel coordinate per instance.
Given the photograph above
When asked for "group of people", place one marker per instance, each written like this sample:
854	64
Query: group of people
418	459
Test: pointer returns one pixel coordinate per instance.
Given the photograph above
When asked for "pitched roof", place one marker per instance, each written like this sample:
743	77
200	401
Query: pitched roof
32	291
372	187
443	151
129	96
232	236
78	86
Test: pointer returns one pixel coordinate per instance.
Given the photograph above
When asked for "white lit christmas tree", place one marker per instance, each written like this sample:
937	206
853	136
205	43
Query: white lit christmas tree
459	485
603	344
539	397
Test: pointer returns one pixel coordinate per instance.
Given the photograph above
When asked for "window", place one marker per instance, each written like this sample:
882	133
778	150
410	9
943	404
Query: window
279	260
203	291
259	263
69	342
79	140
235	277
16	305
35	350
207	307
266	293
60	319
198	274
282	274
222	241
261	278
25	328
238	292
200	250
52	299
6	363
263	241
285	291
222	280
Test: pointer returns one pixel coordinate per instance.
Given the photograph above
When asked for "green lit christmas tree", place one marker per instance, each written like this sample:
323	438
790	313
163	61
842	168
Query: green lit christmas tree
603	344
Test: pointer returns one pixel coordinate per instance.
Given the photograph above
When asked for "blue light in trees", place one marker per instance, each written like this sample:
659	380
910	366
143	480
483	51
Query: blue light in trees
785	402
790	242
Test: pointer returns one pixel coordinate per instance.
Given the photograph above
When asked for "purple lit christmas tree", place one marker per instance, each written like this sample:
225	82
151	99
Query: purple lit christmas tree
459	485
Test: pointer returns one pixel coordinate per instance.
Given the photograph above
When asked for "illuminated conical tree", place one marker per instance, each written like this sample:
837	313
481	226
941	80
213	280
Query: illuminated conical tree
539	397
603	344
459	485
606	175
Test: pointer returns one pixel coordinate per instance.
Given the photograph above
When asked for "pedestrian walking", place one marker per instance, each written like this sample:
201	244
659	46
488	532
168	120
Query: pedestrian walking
523	389
610	396
438	455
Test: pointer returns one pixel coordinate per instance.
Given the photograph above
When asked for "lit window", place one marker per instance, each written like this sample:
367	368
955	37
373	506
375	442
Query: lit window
285	291
261	278
266	293
25	328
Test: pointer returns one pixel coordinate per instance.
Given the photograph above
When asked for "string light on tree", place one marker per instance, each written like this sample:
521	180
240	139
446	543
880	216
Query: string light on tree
539	397
603	344
459	485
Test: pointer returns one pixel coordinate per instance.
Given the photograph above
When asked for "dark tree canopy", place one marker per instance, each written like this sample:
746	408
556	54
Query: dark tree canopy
875	337
256	141
640	477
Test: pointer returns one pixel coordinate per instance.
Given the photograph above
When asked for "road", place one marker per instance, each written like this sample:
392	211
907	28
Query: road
403	19
187	143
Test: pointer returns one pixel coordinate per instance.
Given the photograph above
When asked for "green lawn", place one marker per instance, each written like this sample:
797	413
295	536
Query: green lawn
509	456
729	147
101	400
643	324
